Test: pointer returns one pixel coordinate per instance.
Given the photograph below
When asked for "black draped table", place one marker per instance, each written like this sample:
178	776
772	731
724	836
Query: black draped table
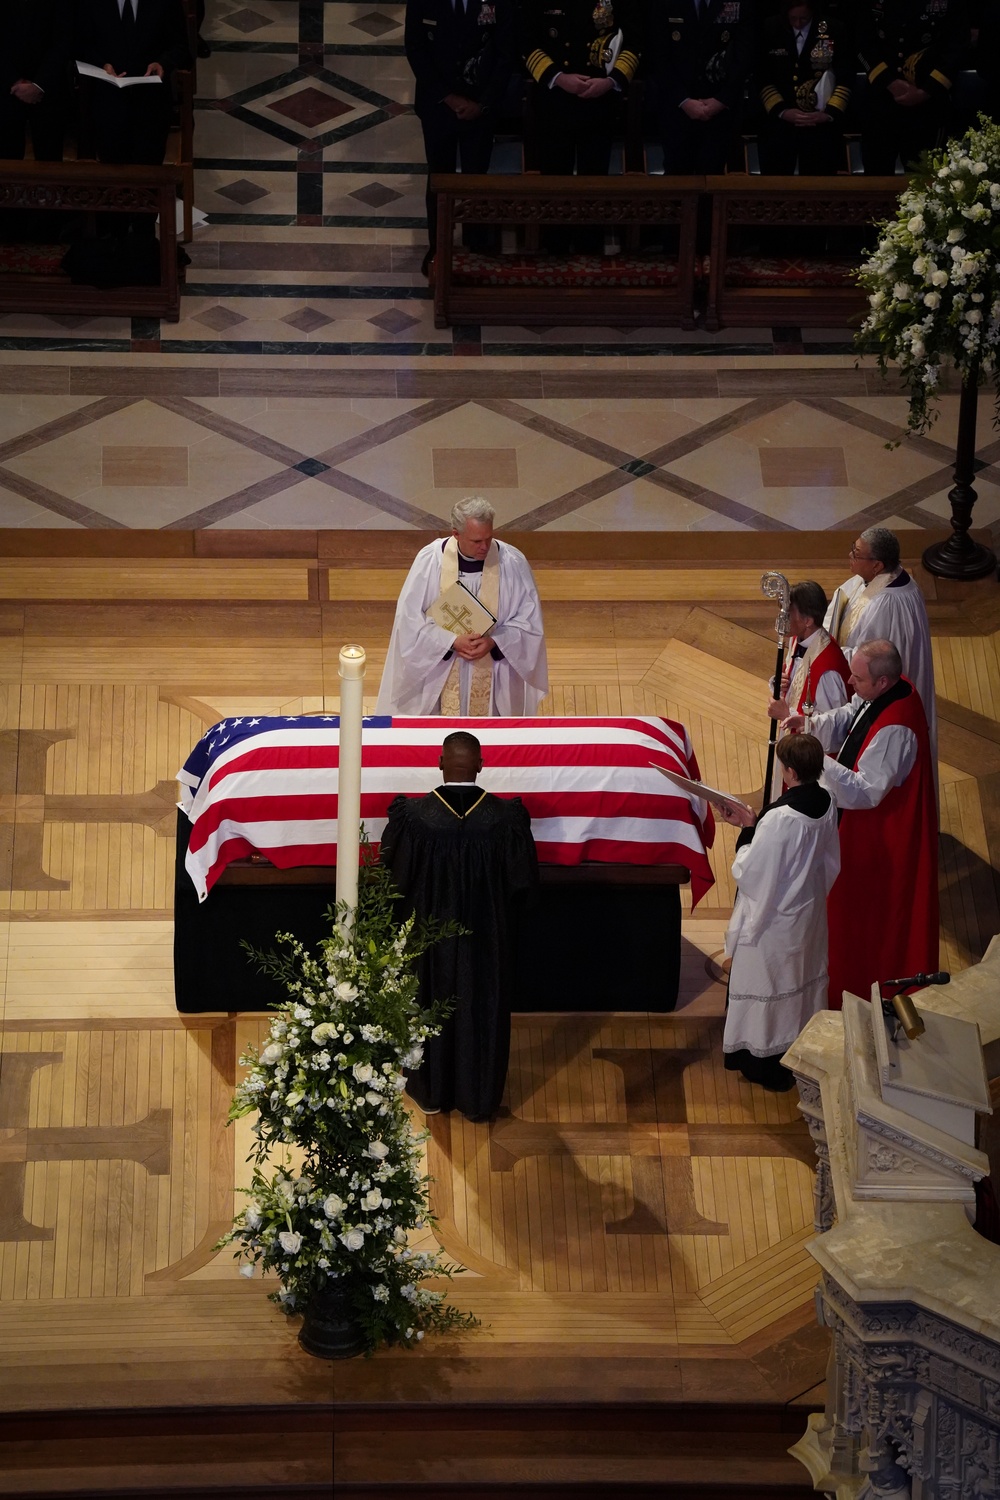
256	852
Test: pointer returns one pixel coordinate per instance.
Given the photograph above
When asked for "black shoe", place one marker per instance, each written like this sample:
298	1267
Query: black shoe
426	263
203	49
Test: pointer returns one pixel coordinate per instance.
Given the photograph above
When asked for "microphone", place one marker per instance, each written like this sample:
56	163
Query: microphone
920	980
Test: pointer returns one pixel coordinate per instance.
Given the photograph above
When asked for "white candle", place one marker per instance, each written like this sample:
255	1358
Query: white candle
352	686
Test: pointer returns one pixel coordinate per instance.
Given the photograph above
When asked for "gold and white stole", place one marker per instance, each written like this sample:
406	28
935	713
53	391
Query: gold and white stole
482	670
861	601
803	667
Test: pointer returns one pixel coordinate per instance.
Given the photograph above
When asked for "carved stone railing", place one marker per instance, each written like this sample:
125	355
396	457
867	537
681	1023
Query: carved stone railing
910	1292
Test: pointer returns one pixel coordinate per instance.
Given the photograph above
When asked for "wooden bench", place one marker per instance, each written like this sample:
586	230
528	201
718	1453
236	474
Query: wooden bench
80	187
803	288
628	289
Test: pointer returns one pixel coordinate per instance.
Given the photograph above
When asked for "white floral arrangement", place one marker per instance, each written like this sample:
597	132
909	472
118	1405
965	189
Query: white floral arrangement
329	1081
933	283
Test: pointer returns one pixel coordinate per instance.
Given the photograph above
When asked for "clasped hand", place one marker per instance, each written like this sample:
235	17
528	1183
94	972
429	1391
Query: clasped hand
583	86
472	647
465	109
806	117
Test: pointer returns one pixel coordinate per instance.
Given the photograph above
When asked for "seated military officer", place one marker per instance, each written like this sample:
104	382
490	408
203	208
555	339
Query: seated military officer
581	57
699	56
804	75
912	52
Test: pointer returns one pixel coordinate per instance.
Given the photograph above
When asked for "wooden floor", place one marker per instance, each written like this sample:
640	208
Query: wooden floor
636	1220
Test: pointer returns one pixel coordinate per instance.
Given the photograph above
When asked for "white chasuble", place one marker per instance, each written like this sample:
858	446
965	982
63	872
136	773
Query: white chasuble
420	661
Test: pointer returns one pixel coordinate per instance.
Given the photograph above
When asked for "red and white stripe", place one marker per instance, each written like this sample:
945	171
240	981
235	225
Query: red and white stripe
587	784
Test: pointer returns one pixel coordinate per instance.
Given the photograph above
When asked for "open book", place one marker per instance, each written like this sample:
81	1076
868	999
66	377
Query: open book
87	70
459	611
699	789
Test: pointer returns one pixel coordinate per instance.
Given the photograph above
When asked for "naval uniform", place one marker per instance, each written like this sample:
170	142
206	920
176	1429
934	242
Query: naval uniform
597	38
464	47
921	42
699	49
789	75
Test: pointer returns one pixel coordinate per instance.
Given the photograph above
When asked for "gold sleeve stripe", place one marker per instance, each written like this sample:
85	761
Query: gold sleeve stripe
840	97
626	63
770	97
940	78
538	63
878	68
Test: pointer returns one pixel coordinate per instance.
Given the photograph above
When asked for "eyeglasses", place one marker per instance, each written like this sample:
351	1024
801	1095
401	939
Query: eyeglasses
860	556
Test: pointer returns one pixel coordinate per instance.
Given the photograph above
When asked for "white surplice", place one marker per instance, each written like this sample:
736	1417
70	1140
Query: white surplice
888	760
777	937
416	669
898	615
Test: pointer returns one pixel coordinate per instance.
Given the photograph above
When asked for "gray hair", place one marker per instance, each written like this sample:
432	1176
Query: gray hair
883	659
809	599
472	508
884	546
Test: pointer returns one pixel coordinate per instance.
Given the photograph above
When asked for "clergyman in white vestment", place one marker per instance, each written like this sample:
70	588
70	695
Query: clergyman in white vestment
428	670
880	601
785	866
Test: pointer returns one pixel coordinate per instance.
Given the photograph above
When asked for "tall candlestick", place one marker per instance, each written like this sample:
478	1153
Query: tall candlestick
352	687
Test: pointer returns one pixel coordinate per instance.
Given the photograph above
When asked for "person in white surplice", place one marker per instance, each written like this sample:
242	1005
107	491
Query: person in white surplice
430	671
786	862
880	601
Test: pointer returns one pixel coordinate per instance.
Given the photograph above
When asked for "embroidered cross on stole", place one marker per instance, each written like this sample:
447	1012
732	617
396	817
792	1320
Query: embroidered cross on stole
481	687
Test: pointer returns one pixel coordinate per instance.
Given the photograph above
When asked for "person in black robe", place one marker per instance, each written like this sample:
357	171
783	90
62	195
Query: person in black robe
462	854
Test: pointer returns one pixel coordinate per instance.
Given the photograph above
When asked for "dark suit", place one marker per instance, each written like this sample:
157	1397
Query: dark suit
699	52
571	36
787	79
36	38
922	42
466	50
131	125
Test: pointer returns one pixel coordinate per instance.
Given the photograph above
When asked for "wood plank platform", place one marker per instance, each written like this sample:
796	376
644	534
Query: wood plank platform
635	1219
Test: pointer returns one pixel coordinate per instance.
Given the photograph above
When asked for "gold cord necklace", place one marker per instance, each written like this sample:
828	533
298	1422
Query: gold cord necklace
460	816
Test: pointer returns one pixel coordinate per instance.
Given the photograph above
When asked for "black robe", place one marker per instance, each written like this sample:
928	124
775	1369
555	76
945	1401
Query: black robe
474	869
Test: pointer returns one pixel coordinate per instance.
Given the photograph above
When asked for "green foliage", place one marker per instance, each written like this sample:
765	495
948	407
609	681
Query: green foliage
329	1081
933	283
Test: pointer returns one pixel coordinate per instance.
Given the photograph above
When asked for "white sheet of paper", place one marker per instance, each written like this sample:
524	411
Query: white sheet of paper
699	789
88	70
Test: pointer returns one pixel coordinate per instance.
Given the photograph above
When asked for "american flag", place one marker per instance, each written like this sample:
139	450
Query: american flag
270	785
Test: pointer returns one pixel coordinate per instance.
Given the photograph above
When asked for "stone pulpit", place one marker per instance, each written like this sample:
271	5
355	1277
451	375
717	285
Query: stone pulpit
914	1104
909	1290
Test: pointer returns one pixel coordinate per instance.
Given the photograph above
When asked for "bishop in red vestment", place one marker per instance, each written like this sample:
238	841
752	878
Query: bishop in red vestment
883	909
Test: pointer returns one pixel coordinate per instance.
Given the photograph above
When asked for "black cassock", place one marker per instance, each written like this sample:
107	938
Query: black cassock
466	855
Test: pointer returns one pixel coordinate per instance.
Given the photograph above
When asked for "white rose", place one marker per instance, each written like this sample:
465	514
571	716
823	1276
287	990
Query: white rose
290	1241
353	1239
346	991
978	168
322	1033
399	1235
901	291
918	348
973	315
916	224
272	1053
957	253
939	278
333	1206
372	1199
373	1098
363	1072
932	299
378	1149
876	299
252	1216
247	1270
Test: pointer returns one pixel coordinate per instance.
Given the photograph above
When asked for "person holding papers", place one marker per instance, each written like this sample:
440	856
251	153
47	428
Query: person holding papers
131	39
467	639
786	863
